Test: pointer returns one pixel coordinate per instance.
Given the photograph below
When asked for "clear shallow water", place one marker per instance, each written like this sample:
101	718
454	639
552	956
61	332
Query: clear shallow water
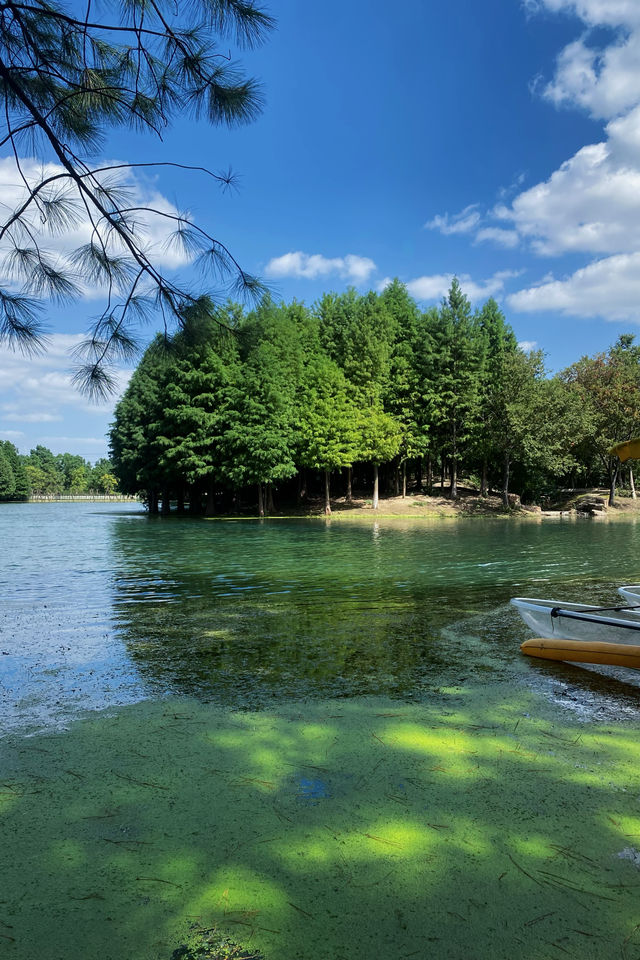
102	605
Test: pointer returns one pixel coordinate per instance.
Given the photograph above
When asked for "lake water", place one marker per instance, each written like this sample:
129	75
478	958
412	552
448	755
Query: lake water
102	605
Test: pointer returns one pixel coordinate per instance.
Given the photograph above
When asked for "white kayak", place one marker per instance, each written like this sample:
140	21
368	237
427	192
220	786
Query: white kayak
631	593
580	621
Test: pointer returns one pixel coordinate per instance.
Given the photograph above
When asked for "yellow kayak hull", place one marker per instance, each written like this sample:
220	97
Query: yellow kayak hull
577	651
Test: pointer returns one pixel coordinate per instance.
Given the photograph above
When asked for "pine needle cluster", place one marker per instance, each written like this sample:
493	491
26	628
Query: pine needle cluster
67	80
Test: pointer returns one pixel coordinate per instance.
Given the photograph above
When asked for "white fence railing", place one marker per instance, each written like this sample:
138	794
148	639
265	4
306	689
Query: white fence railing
108	497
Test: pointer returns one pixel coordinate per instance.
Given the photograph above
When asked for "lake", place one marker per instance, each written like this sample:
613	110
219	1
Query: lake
102	605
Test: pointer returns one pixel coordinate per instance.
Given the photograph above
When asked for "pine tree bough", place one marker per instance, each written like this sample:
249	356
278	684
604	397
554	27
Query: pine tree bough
66	81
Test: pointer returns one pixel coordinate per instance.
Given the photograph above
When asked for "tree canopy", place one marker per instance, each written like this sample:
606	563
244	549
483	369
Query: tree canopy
43	473
360	383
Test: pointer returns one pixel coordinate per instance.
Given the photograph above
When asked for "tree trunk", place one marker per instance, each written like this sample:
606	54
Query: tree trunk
195	505
210	505
166	502
374	502
442	476
396	479
419	473
180	504
349	490
327	494
429	474
302	485
632	484
612	485
270	504
153	502
483	481
404	479
505	480
260	501
453	484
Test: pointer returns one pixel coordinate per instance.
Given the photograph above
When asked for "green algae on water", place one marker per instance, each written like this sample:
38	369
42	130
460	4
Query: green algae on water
485	823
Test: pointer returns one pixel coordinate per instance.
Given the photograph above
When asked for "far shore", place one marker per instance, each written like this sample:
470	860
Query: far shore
468	504
567	505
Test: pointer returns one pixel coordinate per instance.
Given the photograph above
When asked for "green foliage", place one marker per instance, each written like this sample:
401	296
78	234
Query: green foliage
21	486
7	479
407	394
44	472
102	478
328	437
607	389
133	439
261	433
355	382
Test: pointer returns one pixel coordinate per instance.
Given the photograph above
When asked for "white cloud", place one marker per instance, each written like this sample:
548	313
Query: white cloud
608	288
84	441
591	204
503	238
463	222
38	417
436	286
528	345
606	13
32	385
309	266
603	82
36	392
153	229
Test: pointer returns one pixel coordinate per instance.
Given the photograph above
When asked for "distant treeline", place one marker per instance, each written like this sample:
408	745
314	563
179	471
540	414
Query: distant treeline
283	399
43	473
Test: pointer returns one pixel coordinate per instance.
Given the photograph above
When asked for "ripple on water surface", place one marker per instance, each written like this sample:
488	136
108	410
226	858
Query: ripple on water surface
103	605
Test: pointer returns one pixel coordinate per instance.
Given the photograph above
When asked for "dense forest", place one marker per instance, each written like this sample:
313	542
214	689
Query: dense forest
46	474
289	401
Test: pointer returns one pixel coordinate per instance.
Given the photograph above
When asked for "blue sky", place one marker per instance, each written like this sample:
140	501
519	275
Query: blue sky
496	140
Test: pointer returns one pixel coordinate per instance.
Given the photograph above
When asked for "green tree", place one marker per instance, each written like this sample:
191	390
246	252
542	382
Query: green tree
46	478
134	432
404	397
22	487
539	421
497	346
608	386
74	472
428	411
261	439
196	407
107	483
457	376
379	440
359	334
7	479
327	422
67	80
101	468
